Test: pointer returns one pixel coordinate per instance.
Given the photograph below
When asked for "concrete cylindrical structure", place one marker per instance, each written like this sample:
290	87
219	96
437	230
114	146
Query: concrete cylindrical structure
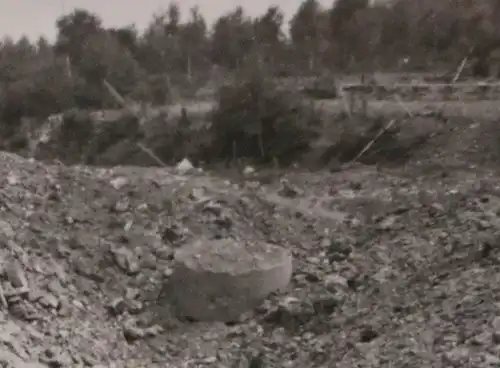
218	280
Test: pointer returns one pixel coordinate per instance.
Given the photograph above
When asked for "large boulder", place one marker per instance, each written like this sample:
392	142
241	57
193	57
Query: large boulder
219	280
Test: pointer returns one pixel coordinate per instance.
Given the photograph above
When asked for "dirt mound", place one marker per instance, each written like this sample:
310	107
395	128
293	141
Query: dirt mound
390	267
379	140
454	141
429	140
81	137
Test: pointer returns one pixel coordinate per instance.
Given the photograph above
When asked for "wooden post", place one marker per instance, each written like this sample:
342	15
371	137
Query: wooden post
364	102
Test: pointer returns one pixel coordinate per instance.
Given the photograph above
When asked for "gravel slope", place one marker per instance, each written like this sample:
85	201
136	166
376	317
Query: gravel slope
392	268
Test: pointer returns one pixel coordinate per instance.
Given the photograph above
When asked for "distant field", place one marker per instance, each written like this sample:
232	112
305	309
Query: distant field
477	109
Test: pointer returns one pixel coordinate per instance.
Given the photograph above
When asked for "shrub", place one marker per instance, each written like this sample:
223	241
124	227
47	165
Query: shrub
107	134
69	138
255	120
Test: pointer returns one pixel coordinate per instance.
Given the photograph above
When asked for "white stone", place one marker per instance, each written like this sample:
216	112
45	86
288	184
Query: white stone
219	280
249	170
184	166
119	182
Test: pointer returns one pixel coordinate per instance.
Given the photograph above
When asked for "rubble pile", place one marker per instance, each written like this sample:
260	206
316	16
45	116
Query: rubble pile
389	267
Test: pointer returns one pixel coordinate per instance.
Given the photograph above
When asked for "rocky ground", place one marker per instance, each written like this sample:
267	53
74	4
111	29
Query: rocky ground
393	267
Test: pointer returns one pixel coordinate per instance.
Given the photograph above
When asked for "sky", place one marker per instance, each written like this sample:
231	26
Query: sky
34	18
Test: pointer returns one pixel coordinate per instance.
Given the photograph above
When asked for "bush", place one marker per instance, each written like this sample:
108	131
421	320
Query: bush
254	120
82	138
107	134
67	138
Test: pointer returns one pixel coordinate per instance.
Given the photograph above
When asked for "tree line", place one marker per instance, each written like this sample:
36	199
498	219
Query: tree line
40	78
